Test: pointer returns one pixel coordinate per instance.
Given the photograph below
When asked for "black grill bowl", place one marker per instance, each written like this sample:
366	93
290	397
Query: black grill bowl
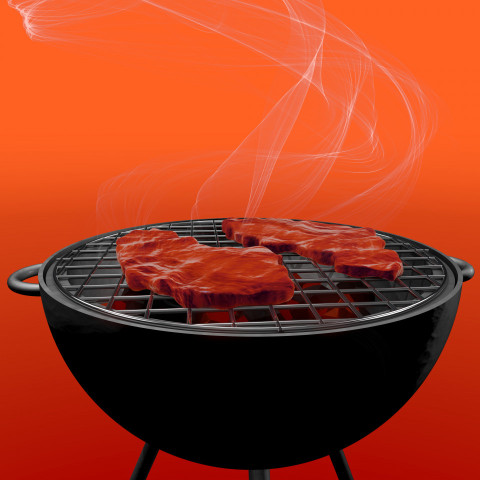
249	402
243	400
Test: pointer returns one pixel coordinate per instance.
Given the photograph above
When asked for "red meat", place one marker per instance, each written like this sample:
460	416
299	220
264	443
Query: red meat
379	263
359	250
201	276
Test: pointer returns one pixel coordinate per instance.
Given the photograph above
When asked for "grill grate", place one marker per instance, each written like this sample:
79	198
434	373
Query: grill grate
322	298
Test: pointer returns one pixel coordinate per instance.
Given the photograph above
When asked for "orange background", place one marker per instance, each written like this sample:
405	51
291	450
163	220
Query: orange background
70	121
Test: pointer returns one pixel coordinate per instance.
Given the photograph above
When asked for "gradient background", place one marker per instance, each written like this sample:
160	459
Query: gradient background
70	121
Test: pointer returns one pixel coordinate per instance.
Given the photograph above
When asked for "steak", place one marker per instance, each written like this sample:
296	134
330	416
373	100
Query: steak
357	252
199	276
379	263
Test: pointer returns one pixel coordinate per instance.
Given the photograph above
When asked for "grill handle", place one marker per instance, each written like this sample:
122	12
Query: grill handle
467	270
16	282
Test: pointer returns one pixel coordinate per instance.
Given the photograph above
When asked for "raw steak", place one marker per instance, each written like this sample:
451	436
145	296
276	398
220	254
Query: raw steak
201	276
321	242
379	263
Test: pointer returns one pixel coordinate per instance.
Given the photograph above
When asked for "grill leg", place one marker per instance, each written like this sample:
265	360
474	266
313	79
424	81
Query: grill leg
144	463
259	475
341	466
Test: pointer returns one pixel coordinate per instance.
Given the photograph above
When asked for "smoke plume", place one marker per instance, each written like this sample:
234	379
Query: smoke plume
342	141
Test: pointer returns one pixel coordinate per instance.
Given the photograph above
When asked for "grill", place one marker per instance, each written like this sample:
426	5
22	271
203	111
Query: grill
323	298
241	388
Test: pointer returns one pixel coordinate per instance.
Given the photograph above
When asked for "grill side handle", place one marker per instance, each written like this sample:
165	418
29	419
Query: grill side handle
467	270
16	282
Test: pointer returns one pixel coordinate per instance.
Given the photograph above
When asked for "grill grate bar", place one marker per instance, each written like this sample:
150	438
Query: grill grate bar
216	234
112	298
423	277
91	258
275	318
115	298
92	266
97	275
149	306
231	315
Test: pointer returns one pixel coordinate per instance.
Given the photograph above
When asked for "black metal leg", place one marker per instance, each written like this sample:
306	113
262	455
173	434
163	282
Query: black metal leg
259	475
144	463
341	466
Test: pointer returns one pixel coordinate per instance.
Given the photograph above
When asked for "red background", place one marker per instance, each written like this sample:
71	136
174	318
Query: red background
70	121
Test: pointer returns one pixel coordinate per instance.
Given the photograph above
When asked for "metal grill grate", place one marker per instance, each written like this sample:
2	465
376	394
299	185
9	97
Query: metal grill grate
323	297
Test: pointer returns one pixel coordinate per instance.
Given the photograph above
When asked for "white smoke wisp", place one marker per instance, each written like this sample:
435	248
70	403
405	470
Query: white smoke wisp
343	141
132	198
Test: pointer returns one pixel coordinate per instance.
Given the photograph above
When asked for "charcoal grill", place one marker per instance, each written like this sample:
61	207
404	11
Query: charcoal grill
251	387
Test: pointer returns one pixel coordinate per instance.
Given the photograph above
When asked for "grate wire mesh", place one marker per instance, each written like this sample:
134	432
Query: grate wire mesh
322	298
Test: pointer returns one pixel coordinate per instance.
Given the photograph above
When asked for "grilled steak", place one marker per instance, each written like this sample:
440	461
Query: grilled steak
197	275
358	252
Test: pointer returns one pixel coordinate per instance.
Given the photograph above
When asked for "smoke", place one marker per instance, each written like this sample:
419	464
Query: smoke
342	141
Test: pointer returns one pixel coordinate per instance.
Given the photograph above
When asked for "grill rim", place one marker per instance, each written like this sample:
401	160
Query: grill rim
450	287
